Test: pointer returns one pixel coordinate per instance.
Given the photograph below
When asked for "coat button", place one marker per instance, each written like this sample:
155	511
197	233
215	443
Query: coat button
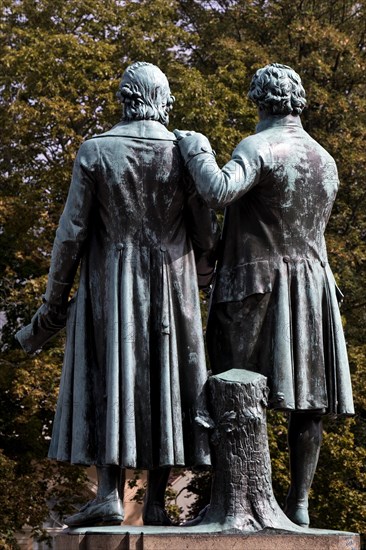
163	248
286	259
119	246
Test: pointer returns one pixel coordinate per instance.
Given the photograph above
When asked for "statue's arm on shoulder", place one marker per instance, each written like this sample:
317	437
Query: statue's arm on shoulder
220	187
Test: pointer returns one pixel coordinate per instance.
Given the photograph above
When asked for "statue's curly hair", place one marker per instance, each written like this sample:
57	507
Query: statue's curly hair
145	93
277	89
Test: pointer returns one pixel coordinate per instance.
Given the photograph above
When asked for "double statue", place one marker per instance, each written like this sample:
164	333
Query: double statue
138	223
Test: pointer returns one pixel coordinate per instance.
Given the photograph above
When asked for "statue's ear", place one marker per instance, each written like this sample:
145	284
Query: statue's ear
126	92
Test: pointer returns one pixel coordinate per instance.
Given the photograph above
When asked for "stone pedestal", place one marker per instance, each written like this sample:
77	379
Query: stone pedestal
179	538
243	513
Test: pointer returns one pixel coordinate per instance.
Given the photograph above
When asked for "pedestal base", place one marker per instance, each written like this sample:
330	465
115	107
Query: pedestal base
154	538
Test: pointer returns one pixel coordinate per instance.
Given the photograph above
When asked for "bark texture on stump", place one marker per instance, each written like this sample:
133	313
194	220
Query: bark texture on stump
242	496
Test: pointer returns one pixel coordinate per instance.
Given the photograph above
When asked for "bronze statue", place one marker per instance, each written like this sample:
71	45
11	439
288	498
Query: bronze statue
275	302
134	365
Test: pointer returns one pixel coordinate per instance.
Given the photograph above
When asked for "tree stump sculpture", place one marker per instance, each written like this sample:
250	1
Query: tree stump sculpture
242	496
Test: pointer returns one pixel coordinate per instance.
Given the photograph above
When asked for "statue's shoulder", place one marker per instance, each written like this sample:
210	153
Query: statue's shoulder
251	145
315	145
140	129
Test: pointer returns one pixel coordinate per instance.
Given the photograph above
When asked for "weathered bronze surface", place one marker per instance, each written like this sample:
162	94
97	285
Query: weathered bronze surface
275	301
134	365
134	369
242	497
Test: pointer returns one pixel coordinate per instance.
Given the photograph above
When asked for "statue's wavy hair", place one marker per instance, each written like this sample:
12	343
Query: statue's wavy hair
277	89
145	93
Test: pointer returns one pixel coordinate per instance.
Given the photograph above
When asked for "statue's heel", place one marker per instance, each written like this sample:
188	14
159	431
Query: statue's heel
298	513
112	520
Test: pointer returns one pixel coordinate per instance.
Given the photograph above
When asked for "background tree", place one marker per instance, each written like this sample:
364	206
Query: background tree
61	61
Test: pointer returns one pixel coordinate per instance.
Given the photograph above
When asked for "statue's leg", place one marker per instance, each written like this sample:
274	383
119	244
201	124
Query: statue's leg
304	439
154	507
111	479
235	334
107	507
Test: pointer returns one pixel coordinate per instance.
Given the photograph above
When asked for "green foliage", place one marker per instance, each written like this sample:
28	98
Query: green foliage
200	486
337	495
277	440
171	506
61	61
340	482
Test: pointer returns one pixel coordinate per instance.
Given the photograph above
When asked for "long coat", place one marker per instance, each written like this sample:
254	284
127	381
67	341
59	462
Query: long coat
275	308
134	366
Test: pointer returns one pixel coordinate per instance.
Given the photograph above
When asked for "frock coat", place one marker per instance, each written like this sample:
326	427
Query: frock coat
275	302
134	366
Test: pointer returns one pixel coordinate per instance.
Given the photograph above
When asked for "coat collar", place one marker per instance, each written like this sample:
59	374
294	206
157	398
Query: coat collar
143	129
278	120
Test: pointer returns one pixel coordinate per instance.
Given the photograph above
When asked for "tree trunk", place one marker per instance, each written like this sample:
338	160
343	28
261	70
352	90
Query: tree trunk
242	496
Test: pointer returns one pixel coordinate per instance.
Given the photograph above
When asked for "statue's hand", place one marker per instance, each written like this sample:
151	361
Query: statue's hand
192	144
47	321
180	134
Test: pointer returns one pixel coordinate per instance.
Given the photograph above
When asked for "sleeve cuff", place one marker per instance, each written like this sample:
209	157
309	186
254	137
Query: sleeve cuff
57	293
193	145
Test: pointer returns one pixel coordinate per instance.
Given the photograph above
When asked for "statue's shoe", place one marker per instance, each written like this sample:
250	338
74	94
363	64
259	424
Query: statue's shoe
298	513
100	511
155	514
